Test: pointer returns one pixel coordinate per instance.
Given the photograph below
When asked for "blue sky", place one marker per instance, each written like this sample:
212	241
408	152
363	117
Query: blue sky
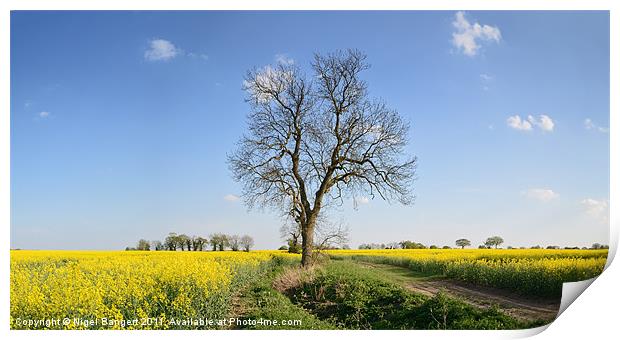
121	122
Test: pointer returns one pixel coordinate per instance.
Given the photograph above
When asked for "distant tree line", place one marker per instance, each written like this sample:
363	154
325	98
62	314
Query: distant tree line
182	242
491	242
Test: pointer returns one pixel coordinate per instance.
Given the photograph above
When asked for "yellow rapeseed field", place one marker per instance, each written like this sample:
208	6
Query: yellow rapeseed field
538	272
165	289
113	287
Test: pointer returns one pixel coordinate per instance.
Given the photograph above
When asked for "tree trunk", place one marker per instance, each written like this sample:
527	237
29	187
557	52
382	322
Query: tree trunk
307	242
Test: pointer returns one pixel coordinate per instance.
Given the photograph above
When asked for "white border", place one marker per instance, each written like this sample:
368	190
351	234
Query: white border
591	316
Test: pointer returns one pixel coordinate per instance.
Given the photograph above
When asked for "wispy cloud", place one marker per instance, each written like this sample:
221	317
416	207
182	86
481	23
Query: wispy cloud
468	37
161	50
282	58
231	198
486	77
543	122
589	125
198	55
486	80
543	195
598	209
44	114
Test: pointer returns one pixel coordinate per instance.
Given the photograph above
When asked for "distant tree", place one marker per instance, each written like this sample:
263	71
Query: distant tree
411	245
463	242
553	247
293	246
291	232
596	246
483	246
184	242
535	247
130	248
214	241
247	242
346	247
224	243
157	245
219	241
171	242
283	248
393	245
198	243
446	247
494	241
233	242
384	246
143	245
432	246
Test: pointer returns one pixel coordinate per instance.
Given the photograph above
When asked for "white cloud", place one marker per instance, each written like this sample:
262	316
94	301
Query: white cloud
596	208
543	195
231	198
284	59
44	114
589	125
468	36
546	123
517	123
161	50
543	122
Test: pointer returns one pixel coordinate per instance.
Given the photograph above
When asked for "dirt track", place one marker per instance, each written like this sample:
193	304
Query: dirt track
512	304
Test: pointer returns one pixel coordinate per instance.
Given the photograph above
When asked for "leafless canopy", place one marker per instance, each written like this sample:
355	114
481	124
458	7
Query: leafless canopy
313	141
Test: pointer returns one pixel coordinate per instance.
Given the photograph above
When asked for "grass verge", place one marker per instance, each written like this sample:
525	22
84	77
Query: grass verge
350	297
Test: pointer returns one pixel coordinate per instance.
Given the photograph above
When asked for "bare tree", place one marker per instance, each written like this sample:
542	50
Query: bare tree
247	242
393	245
157	245
234	242
291	232
331	236
311	143
219	241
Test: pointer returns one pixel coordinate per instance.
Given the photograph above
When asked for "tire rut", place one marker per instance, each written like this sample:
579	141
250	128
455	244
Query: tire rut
517	306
